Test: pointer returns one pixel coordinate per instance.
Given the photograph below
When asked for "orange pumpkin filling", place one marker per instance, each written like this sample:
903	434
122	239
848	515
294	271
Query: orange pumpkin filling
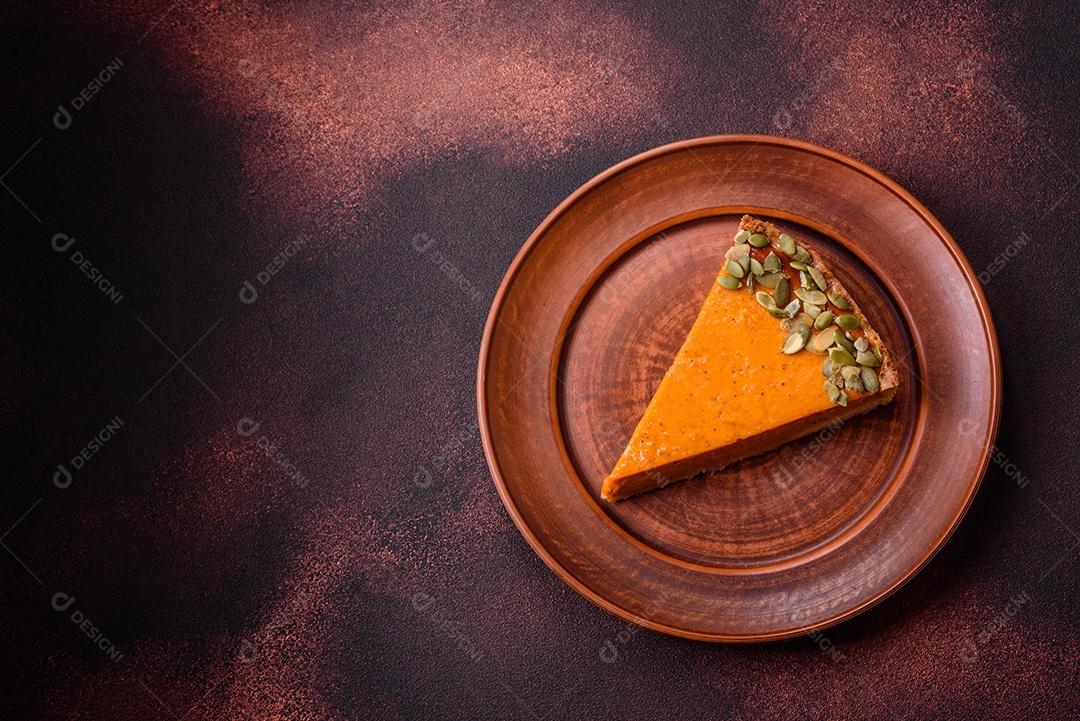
739	386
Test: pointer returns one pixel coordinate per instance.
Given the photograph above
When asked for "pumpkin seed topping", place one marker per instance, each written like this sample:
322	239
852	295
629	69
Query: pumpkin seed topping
832	391
810	296
839	301
729	281
848	321
804	311
870	380
782	291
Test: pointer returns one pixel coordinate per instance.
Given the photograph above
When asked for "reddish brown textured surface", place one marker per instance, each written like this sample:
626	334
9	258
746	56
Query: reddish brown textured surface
234	592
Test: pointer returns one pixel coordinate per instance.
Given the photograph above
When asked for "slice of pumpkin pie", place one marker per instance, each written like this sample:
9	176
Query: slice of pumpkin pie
778	351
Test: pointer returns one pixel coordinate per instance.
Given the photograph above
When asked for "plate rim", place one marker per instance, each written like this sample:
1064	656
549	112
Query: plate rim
688	145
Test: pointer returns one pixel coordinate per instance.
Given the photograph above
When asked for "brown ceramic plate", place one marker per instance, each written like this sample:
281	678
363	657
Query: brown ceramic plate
593	310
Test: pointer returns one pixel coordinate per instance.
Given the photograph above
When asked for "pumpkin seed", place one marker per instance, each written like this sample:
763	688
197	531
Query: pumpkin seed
842	400
744	262
782	291
755	267
787	244
728	281
794	342
811	296
862	344
742	236
845	343
804	279
828	367
792	308
765	299
778	313
823	320
802	319
750	282
735	269
812	349
799	266
854	383
773	262
769	280
869	380
832	391
867	359
819	279
737	251
848	372
811	310
801	255
877	354
848	321
824	340
839	356
839	301
758	240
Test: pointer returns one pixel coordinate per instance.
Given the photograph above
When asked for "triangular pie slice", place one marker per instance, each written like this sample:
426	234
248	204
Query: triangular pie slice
778	351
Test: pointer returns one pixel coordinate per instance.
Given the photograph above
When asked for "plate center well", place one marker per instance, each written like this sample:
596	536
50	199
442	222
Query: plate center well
768	509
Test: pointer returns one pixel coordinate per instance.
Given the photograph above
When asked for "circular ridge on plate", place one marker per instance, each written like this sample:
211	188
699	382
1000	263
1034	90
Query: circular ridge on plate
959	395
601	294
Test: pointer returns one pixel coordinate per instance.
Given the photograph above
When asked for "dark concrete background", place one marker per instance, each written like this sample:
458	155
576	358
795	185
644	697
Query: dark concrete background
335	578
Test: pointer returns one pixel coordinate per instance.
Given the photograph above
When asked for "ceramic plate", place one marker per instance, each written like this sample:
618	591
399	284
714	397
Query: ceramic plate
593	310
